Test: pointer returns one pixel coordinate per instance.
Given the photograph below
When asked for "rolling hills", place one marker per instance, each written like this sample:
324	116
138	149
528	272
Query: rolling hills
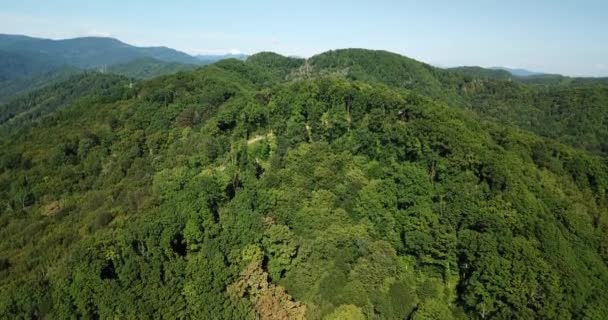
90	52
28	63
147	68
355	184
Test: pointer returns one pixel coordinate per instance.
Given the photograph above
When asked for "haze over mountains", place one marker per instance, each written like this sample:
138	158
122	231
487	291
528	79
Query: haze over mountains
25	61
353	184
89	52
96	52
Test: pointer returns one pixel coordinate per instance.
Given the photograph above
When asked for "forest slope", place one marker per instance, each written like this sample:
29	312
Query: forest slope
571	110
274	188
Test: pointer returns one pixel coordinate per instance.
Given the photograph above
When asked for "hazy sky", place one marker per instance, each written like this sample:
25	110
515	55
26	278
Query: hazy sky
561	36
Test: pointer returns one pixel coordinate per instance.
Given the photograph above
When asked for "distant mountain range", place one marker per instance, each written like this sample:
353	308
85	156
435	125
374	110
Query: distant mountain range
89	52
213	58
92	52
27	63
498	72
518	72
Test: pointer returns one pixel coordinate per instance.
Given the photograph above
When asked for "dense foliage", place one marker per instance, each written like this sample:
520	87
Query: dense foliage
290	188
571	110
23	71
13	88
29	108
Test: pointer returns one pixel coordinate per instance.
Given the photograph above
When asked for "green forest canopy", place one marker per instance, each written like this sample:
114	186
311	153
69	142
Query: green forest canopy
356	184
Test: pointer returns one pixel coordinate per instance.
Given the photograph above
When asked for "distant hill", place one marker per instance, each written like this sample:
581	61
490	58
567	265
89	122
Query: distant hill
21	85
21	71
37	104
210	58
518	71
379	66
28	63
479	72
496	93
90	52
147	68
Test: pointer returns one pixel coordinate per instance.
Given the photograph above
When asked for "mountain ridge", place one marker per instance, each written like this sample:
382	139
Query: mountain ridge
90	52
340	187
519	72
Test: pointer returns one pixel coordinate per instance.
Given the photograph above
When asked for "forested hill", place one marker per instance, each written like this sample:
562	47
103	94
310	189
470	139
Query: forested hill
571	110
352	185
22	64
27	110
23	71
148	68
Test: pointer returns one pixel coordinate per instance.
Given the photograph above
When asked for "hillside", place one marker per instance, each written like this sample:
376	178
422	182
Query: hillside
148	68
28	63
482	73
518	72
14	65
355	184
571	110
30	108
13	88
380	66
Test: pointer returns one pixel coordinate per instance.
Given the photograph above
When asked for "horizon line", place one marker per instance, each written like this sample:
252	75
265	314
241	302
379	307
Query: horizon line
238	52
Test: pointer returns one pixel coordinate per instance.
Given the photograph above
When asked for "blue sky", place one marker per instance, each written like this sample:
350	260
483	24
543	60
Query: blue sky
561	36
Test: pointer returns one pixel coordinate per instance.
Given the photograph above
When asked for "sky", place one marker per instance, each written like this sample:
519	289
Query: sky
555	36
